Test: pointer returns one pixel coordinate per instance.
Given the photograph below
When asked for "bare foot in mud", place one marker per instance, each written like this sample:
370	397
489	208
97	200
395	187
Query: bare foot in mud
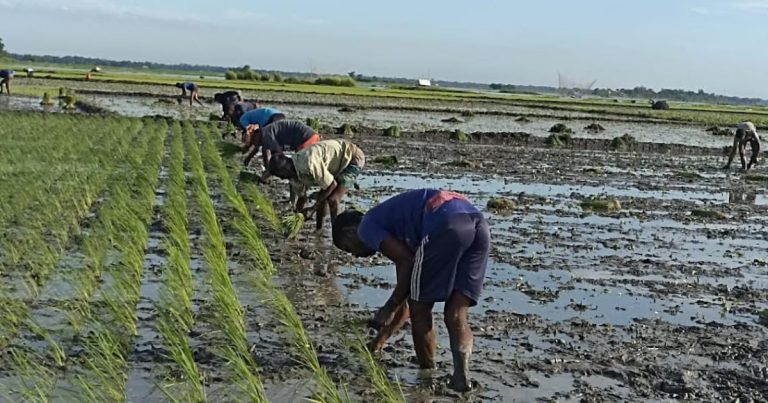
460	384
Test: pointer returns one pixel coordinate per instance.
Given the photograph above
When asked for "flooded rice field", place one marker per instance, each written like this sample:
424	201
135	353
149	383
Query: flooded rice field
417	121
652	302
662	299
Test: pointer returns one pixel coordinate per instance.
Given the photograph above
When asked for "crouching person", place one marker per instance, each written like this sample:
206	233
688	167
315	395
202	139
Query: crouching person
332	165
439	243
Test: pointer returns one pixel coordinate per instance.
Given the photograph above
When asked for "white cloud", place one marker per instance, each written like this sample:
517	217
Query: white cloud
752	5
701	10
115	9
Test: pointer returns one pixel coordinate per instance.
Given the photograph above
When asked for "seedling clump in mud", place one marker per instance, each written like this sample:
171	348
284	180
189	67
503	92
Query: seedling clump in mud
501	205
623	143
459	136
389	160
601	205
393	132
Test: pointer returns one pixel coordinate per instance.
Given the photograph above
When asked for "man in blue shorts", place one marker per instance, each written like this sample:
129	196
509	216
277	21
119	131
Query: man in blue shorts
5	79
194	92
439	243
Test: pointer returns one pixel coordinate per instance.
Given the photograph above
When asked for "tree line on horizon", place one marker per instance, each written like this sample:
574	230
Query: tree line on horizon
246	73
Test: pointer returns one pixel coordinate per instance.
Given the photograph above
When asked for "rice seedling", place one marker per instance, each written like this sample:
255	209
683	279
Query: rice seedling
276	299
228	318
383	388
303	347
292	225
501	205
392	132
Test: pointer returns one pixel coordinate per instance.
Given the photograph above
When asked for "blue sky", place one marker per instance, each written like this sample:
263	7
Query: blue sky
719	46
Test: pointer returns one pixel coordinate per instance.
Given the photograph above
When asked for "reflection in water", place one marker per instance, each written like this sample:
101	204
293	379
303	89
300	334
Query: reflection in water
742	197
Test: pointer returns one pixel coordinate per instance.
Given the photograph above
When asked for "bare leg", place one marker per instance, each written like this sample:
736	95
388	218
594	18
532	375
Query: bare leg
742	149
456	311
320	215
401	316
423	333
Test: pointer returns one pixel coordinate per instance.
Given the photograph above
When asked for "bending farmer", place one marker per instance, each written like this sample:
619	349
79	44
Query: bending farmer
333	165
439	243
278	137
5	79
746	133
194	92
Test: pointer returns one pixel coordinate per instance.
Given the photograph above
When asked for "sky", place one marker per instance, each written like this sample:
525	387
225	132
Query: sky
718	46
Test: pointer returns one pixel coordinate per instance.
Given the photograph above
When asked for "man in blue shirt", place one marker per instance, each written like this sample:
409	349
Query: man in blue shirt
6	76
194	92
439	243
251	123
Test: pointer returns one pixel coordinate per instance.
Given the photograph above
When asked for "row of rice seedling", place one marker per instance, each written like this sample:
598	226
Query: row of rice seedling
174	309
42	227
45	234
34	370
304	350
109	336
228	316
275	298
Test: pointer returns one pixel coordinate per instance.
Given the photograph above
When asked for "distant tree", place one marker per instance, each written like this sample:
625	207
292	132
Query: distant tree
2	48
351	74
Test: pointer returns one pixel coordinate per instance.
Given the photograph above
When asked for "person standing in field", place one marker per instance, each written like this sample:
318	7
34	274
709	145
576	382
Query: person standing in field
194	92
5	79
746	133
439	243
332	165
278	137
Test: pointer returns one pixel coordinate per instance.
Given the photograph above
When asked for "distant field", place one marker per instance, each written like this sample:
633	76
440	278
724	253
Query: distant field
724	115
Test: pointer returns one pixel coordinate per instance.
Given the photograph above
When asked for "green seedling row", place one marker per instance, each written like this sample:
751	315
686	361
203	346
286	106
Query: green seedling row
228	315
175	318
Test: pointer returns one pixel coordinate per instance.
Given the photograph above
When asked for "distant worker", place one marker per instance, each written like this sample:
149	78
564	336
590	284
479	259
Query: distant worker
746	133
278	137
228	100
332	165
241	108
193	89
440	244
6	76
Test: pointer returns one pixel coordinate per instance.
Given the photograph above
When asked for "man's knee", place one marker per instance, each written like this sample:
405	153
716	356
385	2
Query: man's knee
456	310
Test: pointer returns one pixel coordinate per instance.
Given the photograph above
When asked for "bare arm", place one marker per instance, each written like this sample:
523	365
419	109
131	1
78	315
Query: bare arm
250	155
733	152
399	252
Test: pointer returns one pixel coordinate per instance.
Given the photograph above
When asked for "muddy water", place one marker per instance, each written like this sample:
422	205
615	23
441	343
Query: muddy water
19	103
570	295
422	121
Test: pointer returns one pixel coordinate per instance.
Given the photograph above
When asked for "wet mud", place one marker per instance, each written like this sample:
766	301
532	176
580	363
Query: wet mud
659	300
